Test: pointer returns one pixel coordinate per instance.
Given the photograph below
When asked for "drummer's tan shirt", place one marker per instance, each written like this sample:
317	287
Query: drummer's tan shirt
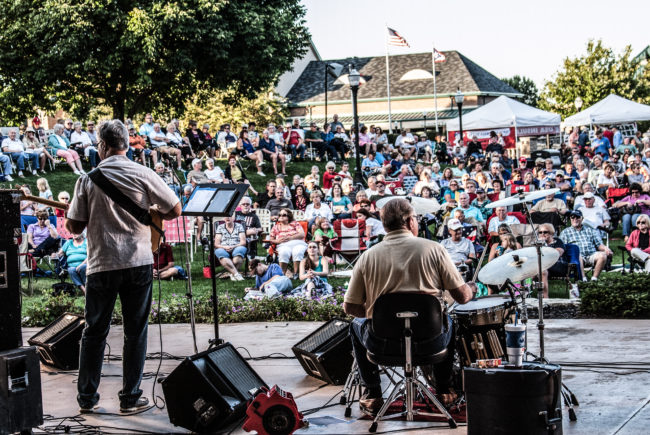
401	263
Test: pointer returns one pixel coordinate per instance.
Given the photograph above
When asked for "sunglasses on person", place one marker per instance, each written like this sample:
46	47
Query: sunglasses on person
42	218
365	205
283	214
634	191
544	232
65	198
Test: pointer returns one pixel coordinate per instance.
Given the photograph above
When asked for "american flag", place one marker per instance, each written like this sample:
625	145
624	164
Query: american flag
396	39
438	57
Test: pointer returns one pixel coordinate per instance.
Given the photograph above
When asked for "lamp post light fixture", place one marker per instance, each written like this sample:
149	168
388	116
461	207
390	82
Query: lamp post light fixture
459	97
578	103
354	78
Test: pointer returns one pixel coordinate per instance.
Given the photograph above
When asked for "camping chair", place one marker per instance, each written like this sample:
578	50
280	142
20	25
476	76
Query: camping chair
572	257
409	183
272	249
634	263
349	244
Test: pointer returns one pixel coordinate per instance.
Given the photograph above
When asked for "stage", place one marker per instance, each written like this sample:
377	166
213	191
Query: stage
609	402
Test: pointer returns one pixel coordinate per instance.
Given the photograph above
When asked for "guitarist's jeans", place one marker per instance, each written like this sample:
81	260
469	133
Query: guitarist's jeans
133	285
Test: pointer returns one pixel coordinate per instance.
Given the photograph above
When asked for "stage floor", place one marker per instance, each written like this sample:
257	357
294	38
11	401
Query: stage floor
610	402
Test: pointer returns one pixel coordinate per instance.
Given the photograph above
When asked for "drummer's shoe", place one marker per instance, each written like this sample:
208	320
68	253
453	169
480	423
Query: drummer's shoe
370	406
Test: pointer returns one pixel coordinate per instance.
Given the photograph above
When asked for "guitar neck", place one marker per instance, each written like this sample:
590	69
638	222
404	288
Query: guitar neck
51	203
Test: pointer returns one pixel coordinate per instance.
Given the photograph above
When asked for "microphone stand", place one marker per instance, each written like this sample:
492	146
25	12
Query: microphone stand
188	267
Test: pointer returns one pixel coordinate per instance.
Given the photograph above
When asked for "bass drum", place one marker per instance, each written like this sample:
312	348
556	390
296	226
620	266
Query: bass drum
479	326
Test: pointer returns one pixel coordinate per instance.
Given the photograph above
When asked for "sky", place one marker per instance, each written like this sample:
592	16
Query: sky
506	37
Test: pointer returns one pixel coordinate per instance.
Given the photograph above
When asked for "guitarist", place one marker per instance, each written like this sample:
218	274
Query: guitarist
120	262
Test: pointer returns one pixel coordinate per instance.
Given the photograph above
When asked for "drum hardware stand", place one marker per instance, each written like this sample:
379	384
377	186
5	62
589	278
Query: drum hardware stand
352	387
569	398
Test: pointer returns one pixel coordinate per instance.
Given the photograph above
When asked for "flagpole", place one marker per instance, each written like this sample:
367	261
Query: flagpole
435	93
390	121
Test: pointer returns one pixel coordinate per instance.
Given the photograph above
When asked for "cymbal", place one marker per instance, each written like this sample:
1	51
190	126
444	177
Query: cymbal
520	199
517	265
421	206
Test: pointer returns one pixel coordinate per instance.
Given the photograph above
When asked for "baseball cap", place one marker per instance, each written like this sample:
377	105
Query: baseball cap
381	182
523	159
577	213
454	224
588	195
480	190
630	159
539	160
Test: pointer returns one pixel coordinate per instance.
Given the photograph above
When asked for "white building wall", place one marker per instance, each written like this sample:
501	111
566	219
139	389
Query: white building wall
286	81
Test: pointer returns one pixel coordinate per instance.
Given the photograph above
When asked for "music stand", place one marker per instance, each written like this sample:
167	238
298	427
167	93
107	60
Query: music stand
214	200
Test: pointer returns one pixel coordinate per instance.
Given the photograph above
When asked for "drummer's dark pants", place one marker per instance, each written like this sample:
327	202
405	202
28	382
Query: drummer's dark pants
363	340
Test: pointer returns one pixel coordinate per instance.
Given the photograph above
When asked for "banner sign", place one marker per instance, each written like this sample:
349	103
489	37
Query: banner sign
538	131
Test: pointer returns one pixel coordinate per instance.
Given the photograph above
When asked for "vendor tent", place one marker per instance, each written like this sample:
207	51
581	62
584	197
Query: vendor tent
506	117
505	112
610	110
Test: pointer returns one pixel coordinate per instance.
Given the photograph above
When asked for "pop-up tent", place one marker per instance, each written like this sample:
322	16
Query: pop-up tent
509	117
610	110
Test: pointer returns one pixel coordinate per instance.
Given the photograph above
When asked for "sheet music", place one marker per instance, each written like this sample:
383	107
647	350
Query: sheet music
199	200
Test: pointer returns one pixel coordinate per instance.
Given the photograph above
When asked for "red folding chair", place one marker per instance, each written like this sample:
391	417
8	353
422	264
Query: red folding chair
350	243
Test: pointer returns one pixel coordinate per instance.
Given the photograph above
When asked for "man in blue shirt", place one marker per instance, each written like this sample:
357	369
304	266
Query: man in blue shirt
370	164
269	278
601	145
618	138
470	211
147	128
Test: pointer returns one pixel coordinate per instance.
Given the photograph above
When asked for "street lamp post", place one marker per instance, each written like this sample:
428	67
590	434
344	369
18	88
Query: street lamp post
354	77
424	115
459	102
578	103
331	69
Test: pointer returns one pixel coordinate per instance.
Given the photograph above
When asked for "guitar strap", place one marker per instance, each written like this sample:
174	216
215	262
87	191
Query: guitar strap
119	198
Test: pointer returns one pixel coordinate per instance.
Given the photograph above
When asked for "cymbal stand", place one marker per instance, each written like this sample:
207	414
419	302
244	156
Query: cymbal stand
539	285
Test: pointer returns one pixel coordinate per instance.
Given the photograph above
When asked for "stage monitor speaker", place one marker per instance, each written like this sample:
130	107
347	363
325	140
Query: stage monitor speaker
326	353
21	403
210	390
10	317
58	343
514	401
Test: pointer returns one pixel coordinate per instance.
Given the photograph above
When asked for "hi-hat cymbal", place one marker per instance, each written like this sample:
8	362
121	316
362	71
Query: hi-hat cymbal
421	206
520	199
517	265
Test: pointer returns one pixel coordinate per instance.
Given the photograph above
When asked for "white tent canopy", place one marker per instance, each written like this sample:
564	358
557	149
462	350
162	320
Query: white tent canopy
504	112
610	110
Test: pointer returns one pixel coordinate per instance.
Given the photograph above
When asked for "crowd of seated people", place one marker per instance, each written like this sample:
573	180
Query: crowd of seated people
601	187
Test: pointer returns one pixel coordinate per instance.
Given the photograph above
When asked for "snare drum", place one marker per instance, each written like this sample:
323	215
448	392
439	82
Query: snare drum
488	310
479	328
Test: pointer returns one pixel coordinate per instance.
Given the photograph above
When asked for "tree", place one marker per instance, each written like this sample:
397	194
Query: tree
594	76
223	107
526	86
137	56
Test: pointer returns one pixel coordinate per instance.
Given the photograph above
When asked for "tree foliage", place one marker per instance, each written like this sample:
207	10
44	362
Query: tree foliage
137	56
526	86
594	76
221	107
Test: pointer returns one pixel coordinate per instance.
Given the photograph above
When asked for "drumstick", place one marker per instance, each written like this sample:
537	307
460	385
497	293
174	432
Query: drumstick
493	344
480	261
496	337
468	358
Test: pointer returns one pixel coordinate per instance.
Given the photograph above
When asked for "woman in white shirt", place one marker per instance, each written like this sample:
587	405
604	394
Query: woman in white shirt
33	146
214	172
178	141
317	208
607	179
81	141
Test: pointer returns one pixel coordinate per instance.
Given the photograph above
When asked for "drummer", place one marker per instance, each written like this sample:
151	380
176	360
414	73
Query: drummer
430	270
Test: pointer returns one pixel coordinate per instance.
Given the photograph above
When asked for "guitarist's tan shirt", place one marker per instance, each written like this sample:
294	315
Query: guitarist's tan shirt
116	240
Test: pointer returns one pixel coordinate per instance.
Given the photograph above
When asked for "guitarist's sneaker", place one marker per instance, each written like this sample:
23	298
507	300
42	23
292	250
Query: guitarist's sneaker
139	405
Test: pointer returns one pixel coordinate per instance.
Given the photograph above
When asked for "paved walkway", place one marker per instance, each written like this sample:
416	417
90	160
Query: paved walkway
611	400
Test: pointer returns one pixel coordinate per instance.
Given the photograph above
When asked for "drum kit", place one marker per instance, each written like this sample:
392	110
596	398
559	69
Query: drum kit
480	323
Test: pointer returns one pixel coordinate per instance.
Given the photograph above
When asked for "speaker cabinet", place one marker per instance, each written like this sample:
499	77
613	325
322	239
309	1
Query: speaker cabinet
58	343
21	403
10	331
524	400
210	390
326	353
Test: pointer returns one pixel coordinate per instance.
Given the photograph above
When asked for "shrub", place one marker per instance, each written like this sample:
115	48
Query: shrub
47	308
616	295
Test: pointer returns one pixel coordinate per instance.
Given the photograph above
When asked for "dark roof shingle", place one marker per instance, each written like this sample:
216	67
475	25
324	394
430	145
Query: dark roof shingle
456	72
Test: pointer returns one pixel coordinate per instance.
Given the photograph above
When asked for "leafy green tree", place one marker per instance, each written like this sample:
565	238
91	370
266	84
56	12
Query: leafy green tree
594	76
223	107
137	56
526	86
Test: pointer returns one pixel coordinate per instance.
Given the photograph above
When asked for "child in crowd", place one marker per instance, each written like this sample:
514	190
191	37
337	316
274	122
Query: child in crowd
44	191
323	233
